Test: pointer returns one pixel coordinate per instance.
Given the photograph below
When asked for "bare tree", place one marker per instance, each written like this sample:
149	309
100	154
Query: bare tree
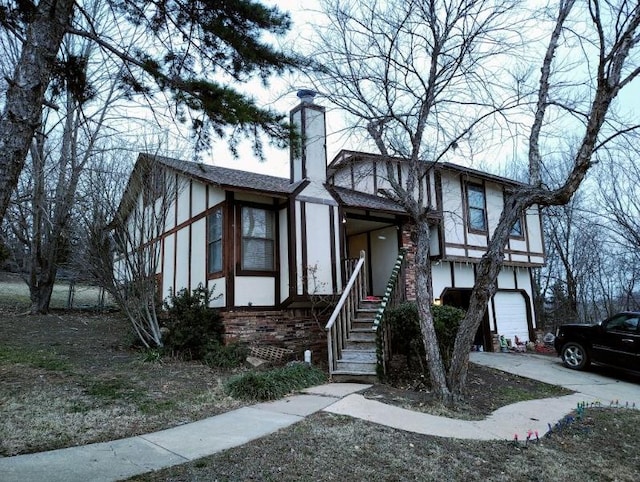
124	255
423	77
42	208
192	42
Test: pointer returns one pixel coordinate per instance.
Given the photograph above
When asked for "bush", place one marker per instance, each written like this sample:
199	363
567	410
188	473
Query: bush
275	383
191	326
406	337
226	356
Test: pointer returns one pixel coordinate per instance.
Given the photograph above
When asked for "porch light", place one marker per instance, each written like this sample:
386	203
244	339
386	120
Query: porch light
437	302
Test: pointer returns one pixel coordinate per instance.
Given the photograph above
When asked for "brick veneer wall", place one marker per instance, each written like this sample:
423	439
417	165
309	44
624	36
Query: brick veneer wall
294	329
410	273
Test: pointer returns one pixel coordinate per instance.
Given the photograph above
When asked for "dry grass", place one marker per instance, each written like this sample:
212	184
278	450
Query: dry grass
72	378
330	447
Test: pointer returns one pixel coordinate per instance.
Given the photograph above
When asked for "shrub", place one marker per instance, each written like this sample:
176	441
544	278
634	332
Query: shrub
191	326
226	356
406	337
275	383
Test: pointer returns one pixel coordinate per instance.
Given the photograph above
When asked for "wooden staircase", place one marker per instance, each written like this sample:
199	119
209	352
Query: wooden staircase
357	332
358	359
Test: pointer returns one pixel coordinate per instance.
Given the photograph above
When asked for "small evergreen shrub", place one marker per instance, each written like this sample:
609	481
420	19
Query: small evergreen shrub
191	326
226	356
275	383
406	337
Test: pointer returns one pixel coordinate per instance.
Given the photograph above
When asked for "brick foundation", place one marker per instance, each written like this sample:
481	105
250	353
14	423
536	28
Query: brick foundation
294	329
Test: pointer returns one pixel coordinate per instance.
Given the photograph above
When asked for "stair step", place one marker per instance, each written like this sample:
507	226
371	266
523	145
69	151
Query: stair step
360	345
345	376
368	335
362	325
365	356
356	367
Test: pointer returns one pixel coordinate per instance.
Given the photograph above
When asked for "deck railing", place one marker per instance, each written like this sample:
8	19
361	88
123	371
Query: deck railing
394	294
339	323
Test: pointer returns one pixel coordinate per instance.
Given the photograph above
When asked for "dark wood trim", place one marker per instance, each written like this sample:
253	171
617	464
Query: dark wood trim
353	179
332	237
342	233
367	217
453	274
493	311
175	235
228	241
375	177
190	236
437	179
291	217
305	253
276	283
484	248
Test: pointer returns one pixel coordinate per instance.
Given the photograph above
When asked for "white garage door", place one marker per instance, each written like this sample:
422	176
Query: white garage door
511	315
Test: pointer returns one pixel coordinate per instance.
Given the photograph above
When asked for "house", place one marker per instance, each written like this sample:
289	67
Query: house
270	246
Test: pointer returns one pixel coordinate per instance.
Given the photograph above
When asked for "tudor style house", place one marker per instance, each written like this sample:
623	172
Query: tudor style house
269	246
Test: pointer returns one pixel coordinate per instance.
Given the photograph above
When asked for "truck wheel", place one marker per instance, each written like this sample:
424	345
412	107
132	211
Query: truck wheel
575	356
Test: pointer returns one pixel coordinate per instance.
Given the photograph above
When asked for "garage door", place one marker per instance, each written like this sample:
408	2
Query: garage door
511	315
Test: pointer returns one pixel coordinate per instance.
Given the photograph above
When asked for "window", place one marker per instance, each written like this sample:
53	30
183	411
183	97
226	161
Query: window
475	207
258	239
516	230
214	241
628	323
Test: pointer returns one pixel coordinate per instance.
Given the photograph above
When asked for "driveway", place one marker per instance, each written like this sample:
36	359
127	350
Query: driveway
599	383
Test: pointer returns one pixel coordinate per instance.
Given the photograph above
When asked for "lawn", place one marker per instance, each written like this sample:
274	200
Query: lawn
75	377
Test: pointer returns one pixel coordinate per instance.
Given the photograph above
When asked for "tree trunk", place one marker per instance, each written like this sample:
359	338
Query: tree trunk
484	288
26	90
424	298
41	296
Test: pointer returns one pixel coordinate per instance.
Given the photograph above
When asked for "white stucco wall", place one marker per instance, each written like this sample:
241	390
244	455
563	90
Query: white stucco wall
199	253
254	291
318	248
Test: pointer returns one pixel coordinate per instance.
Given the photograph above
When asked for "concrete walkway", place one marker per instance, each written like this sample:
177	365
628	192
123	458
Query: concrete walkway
125	458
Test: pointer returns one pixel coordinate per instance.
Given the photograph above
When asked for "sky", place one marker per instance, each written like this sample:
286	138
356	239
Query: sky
281	96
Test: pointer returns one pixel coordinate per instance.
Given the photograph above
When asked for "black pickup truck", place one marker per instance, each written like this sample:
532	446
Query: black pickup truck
614	341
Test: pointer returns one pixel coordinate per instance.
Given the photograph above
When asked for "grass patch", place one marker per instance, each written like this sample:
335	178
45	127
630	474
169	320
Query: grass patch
150	407
275	383
114	389
47	360
330	447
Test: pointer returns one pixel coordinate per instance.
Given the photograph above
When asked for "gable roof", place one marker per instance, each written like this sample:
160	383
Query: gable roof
346	158
356	199
231	179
